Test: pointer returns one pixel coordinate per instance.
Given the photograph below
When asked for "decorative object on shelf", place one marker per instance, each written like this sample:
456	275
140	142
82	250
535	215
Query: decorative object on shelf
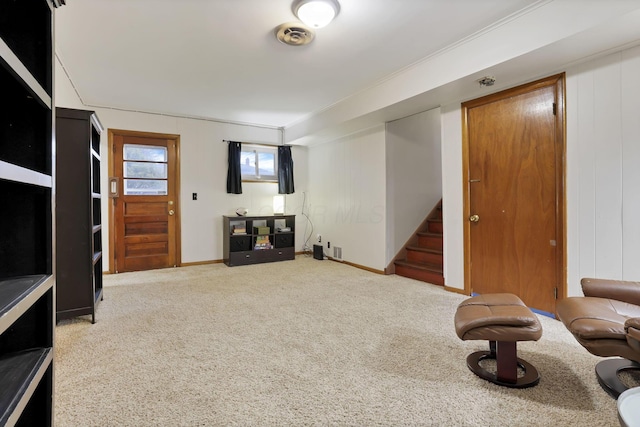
242	211
280	225
261	230
262	243
239	229
278	204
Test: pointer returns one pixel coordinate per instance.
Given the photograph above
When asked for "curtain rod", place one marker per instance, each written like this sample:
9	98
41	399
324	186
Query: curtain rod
254	143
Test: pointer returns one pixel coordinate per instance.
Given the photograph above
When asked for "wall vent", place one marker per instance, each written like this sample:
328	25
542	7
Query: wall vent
337	253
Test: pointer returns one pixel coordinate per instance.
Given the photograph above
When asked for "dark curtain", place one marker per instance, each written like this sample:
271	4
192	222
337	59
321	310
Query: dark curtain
285	170
234	175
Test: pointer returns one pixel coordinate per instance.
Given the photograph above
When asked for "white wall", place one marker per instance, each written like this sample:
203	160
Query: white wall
602	173
346	200
452	197
346	184
203	161
414	175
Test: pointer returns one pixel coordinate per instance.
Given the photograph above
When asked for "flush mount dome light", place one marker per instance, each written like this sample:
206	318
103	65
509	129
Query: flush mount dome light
316	13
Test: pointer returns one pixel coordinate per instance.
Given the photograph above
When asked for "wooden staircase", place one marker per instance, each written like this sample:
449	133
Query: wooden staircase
421	258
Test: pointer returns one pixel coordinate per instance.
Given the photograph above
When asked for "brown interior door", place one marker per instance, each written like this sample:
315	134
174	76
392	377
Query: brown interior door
143	191
515	226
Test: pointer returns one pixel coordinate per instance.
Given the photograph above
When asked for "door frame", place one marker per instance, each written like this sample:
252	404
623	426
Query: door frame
557	81
176	139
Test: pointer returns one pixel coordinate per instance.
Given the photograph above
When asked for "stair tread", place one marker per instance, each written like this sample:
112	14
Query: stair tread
429	234
420	266
424	249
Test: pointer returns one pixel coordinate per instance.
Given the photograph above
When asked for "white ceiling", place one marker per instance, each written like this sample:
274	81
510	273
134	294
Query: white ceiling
220	60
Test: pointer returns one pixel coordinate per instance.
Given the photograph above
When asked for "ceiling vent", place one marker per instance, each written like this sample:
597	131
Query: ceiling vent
294	34
487	81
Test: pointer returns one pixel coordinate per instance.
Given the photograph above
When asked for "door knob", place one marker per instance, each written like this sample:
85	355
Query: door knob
171	212
474	218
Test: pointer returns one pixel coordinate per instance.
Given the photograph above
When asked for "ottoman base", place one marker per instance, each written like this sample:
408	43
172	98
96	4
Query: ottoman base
504	353
607	374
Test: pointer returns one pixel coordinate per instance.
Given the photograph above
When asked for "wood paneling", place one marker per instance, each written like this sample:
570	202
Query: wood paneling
630	133
146	208
604	178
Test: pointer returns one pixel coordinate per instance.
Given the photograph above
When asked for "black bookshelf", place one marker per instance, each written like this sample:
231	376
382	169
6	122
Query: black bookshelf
258	239
78	218
27	184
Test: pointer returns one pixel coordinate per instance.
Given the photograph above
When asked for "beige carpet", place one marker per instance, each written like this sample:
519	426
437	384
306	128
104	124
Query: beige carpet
301	343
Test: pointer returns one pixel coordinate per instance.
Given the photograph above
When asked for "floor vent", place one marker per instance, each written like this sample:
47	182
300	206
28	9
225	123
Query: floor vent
337	253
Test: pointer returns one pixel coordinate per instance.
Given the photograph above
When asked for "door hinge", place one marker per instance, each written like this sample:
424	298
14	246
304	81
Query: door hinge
555	293
555	108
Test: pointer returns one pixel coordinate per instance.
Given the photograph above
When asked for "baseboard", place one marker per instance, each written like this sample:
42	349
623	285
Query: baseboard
361	267
219	261
189	264
543	313
455	290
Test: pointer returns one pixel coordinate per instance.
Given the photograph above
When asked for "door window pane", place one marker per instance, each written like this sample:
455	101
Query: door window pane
149	153
145	187
145	170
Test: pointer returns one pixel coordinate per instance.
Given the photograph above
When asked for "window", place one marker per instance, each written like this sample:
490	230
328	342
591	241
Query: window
145	170
259	163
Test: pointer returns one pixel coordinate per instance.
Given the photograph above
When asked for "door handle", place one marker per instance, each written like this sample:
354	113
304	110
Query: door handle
474	218
171	212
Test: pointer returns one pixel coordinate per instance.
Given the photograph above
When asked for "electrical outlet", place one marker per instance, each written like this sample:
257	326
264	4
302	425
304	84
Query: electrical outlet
319	238
194	196
328	245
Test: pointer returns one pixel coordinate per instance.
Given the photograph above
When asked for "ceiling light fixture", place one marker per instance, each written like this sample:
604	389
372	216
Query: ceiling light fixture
316	13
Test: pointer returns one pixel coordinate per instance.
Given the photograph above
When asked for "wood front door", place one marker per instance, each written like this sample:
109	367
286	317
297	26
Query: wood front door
514	146
143	190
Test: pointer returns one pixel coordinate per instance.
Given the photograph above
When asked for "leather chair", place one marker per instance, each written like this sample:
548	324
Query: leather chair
606	321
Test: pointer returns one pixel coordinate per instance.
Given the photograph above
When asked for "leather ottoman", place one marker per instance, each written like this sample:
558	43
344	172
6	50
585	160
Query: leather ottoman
503	320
